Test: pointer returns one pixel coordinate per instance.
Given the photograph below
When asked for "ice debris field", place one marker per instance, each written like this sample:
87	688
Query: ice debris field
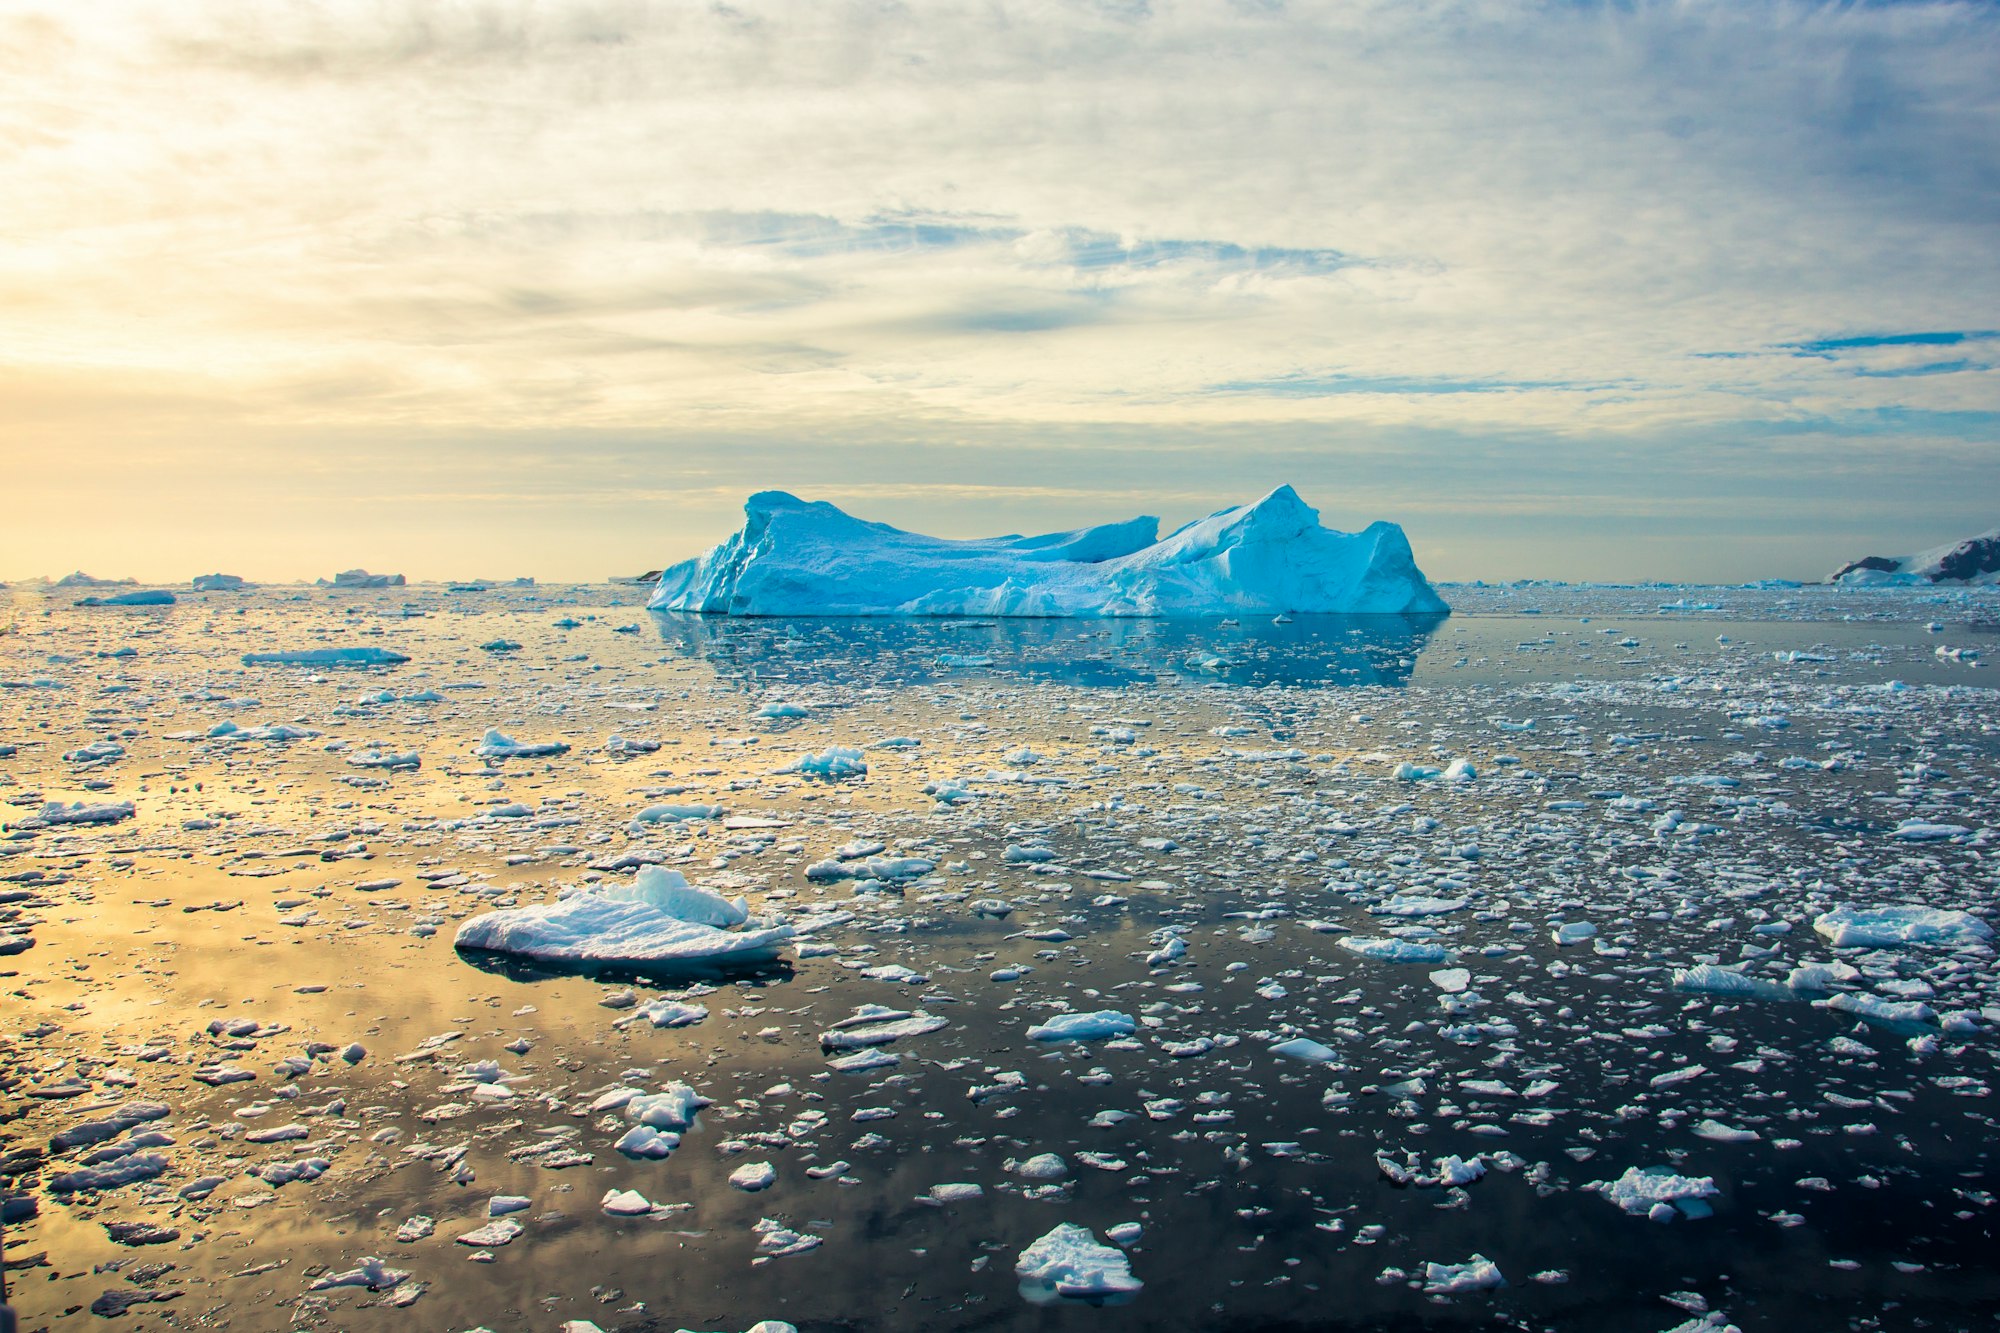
507	957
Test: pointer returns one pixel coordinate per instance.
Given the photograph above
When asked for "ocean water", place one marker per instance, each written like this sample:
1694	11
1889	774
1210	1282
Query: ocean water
1652	785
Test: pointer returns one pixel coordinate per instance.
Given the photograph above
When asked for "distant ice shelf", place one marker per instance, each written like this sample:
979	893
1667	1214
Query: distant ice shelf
798	558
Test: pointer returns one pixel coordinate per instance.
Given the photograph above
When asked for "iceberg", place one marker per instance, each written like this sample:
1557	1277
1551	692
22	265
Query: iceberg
799	558
656	920
361	578
220	583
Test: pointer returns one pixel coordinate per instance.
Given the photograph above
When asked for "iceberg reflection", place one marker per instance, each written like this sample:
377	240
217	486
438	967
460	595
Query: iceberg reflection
1303	650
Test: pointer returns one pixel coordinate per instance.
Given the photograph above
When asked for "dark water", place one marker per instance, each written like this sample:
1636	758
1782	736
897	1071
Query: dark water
1865	1199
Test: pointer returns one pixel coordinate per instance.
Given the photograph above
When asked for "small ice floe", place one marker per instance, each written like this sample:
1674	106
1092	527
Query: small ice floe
327	657
1715	980
1415	906
625	1203
1878	1010
1097	1026
833	764
666	1013
1917	830
497	745
1070	1263
754	1176
371	1273
1658	1193
1713	1321
1888	927
657	919
672	814
389	759
956	1192
1476	1274
500	1232
873	1025
78	812
144	597
1042	1166
1573	932
778	711
126	1169
775	1240
1385	950
1307	1050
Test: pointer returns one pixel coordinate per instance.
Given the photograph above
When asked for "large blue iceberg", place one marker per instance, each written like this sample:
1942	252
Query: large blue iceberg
799	558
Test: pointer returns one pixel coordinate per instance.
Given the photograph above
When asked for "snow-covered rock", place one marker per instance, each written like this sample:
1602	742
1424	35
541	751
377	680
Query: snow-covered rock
794	558
1976	560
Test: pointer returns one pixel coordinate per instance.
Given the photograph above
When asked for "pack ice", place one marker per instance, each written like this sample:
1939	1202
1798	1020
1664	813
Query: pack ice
799	558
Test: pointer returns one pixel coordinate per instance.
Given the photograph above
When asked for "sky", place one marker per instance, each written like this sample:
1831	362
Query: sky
1569	290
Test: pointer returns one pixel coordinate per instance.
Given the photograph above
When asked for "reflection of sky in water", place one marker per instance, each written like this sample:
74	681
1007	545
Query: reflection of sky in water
1306	650
1273	1236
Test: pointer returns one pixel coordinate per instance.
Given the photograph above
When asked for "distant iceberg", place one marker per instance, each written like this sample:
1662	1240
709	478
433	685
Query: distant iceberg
794	558
361	578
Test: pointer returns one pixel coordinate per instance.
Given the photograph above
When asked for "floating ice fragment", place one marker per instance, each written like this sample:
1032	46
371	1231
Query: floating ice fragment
335	657
657	919
497	745
1306	1049
1069	1262
1639	1191
832	764
1384	950
1476	1274
1888	927
1085	1027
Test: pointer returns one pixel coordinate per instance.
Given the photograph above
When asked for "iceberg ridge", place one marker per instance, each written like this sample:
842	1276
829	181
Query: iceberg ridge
809	558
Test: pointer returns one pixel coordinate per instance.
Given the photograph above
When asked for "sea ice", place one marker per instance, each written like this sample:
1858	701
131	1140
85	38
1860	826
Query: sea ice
327	657
496	745
1476	1274
1384	950
1084	1027
1641	1190
794	558
1887	927
1070	1262
657	919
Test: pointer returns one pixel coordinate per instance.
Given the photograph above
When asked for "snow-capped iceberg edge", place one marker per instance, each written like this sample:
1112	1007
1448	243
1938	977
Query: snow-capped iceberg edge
798	558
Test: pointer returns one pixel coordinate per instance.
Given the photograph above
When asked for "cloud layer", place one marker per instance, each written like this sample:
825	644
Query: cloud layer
1502	271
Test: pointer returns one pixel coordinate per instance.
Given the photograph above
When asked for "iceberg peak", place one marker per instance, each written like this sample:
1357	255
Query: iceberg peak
795	557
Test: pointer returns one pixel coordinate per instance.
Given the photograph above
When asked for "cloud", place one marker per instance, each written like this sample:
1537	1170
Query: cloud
1548	233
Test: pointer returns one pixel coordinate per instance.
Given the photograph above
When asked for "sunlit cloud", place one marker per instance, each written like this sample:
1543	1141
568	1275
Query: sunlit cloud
1371	243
